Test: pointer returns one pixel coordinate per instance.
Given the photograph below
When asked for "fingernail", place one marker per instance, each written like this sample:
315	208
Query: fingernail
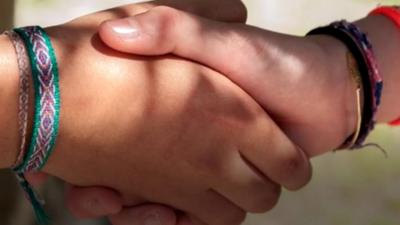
125	28
96	207
146	215
152	218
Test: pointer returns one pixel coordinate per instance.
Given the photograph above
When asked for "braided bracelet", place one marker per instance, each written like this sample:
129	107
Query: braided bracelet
360	47
47	98
24	69
47	110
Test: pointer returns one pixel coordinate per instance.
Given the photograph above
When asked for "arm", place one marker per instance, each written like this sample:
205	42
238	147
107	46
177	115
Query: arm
89	113
109	202
287	75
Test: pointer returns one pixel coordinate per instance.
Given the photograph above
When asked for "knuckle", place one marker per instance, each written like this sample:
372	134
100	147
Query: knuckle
239	11
169	19
236	218
295	166
292	164
168	14
236	12
214	164
306	176
265	201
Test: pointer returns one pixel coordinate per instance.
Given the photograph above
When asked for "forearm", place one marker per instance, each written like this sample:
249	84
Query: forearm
9	139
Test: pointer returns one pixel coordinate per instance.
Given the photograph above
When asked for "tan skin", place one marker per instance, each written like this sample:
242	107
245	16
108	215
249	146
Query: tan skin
289	60
187	133
287	75
335	50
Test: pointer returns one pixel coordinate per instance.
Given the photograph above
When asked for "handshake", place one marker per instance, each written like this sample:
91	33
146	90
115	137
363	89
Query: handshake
175	112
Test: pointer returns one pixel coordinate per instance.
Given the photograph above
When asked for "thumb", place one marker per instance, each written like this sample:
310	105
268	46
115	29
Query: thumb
285	74
232	49
251	57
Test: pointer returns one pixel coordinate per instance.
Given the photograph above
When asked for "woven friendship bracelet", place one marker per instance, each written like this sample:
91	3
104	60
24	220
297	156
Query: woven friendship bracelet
24	74
44	72
359	45
24	68
47	98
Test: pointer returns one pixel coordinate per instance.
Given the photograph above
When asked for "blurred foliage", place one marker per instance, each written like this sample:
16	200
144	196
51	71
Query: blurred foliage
6	14
38	3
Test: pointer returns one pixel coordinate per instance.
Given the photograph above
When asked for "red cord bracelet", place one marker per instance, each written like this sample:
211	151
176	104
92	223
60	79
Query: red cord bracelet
395	123
392	13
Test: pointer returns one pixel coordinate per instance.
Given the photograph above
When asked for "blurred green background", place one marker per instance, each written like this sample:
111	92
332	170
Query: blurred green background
353	188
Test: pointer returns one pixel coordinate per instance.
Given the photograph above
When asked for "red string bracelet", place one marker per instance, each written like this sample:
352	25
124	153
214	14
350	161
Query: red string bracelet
392	13
395	123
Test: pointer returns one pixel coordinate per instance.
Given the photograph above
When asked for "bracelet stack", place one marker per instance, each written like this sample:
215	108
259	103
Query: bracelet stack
361	50
393	14
36	58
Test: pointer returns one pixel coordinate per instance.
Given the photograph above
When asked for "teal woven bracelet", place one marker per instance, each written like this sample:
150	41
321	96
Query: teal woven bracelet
47	109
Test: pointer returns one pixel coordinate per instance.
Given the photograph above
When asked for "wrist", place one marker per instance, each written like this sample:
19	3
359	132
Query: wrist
385	38
340	83
9	89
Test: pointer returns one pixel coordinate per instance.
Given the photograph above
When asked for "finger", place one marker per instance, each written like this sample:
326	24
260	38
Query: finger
36	178
187	220
145	214
222	10
164	30
92	202
210	208
269	150
246	187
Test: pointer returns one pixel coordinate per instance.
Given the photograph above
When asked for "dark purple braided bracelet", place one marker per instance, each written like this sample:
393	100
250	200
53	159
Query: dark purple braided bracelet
361	48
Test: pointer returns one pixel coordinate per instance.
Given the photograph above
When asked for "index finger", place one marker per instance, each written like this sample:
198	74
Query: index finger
221	10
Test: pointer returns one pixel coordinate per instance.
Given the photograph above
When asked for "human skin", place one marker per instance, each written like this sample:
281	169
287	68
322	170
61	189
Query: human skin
165	106
286	74
92	202
274	61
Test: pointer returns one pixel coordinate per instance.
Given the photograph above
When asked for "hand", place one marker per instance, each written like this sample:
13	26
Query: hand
80	200
293	78
147	131
96	202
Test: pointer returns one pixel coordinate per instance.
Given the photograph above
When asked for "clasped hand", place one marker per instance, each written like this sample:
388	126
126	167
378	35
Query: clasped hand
202	137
